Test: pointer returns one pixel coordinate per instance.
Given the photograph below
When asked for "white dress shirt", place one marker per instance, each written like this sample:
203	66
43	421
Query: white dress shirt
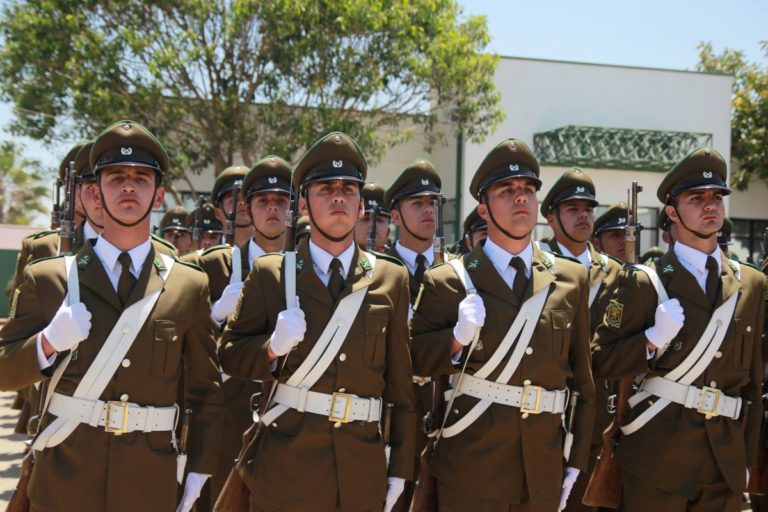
585	257
254	251
695	262
501	258
321	261
408	256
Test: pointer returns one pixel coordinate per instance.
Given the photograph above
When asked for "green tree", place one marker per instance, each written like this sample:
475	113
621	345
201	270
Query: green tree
749	124
22	188
220	78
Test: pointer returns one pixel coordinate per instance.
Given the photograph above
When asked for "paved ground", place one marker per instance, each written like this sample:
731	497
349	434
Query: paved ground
11	448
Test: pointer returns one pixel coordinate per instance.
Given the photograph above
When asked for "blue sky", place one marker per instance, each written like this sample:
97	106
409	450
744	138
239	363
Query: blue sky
648	33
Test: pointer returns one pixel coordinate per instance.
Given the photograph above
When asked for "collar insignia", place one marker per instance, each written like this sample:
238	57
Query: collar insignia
473	264
84	261
299	265
159	265
668	269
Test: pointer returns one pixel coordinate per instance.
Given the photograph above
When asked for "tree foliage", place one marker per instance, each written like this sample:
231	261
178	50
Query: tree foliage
22	188
749	124
222	79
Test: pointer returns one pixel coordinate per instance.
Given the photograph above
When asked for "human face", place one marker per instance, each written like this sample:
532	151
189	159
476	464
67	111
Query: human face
209	239
183	242
363	231
268	211
128	192
476	237
612	243
225	209
85	201
417	215
701	210
577	219
513	204
333	206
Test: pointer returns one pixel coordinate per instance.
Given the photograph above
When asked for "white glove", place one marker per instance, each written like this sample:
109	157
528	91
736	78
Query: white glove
226	304
471	317
395	488
571	474
669	321
289	331
192	488
69	326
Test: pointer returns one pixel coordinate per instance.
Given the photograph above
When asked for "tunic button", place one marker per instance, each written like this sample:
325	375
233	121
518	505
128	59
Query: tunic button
124	397
718	354
342	390
749	328
713	384
529	350
527	382
274	425
455	411
568	325
126	363
126	329
342	357
337	424
525	415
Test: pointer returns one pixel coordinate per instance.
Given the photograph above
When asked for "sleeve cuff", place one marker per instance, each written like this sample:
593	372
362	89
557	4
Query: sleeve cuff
43	361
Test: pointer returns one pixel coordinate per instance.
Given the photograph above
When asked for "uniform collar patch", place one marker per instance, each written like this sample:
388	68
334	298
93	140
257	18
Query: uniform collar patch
473	264
545	261
300	265
365	264
668	269
84	261
159	265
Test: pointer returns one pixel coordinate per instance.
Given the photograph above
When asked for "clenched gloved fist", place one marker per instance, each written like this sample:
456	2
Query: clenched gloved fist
69	326
289	331
226	304
471	318
669	321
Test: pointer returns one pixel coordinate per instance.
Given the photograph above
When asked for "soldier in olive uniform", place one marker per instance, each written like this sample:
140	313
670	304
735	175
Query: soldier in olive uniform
211	230
724	237
568	208
692	326
373	204
321	448
267	188
610	227
221	197
502	445
475	230
107	441
302	228
173	230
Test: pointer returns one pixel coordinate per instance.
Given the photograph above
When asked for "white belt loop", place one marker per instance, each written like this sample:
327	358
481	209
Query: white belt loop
97	413
150	411
301	404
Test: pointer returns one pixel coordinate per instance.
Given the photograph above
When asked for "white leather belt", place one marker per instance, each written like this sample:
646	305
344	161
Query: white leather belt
116	417
421	381
338	407
529	399
707	400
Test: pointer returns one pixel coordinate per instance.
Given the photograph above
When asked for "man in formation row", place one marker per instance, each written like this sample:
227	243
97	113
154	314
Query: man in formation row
510	321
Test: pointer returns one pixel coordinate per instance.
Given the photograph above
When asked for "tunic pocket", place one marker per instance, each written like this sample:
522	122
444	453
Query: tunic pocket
166	349
376	326
742	344
561	336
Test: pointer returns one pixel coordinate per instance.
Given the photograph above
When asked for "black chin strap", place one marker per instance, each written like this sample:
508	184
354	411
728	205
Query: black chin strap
126	224
335	239
405	226
697	233
270	238
507	233
565	231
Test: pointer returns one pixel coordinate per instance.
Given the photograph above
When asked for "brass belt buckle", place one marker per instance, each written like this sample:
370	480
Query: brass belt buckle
701	406
536	409
123	420
347	407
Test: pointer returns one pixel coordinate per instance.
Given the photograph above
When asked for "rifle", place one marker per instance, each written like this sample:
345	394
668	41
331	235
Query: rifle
197	226
56	210
438	244
231	224
371	243
604	487
235	496
67	222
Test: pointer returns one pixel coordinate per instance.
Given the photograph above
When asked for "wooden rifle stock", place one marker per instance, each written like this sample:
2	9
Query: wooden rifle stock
604	487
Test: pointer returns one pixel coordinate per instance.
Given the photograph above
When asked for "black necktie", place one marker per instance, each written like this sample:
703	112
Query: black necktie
713	280
521	281
336	282
421	267
126	281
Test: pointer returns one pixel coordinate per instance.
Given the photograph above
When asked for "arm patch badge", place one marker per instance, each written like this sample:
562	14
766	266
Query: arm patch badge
613	314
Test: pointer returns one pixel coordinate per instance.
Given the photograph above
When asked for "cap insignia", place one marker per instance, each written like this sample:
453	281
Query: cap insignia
425	182
580	190
707	174
514	167
272	180
126	151
127	127
337	139
622	220
337	164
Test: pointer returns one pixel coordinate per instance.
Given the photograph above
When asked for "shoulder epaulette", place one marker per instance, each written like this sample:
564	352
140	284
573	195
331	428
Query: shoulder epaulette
214	248
270	254
38	260
617	260
41	234
387	257
162	241
742	262
185	263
